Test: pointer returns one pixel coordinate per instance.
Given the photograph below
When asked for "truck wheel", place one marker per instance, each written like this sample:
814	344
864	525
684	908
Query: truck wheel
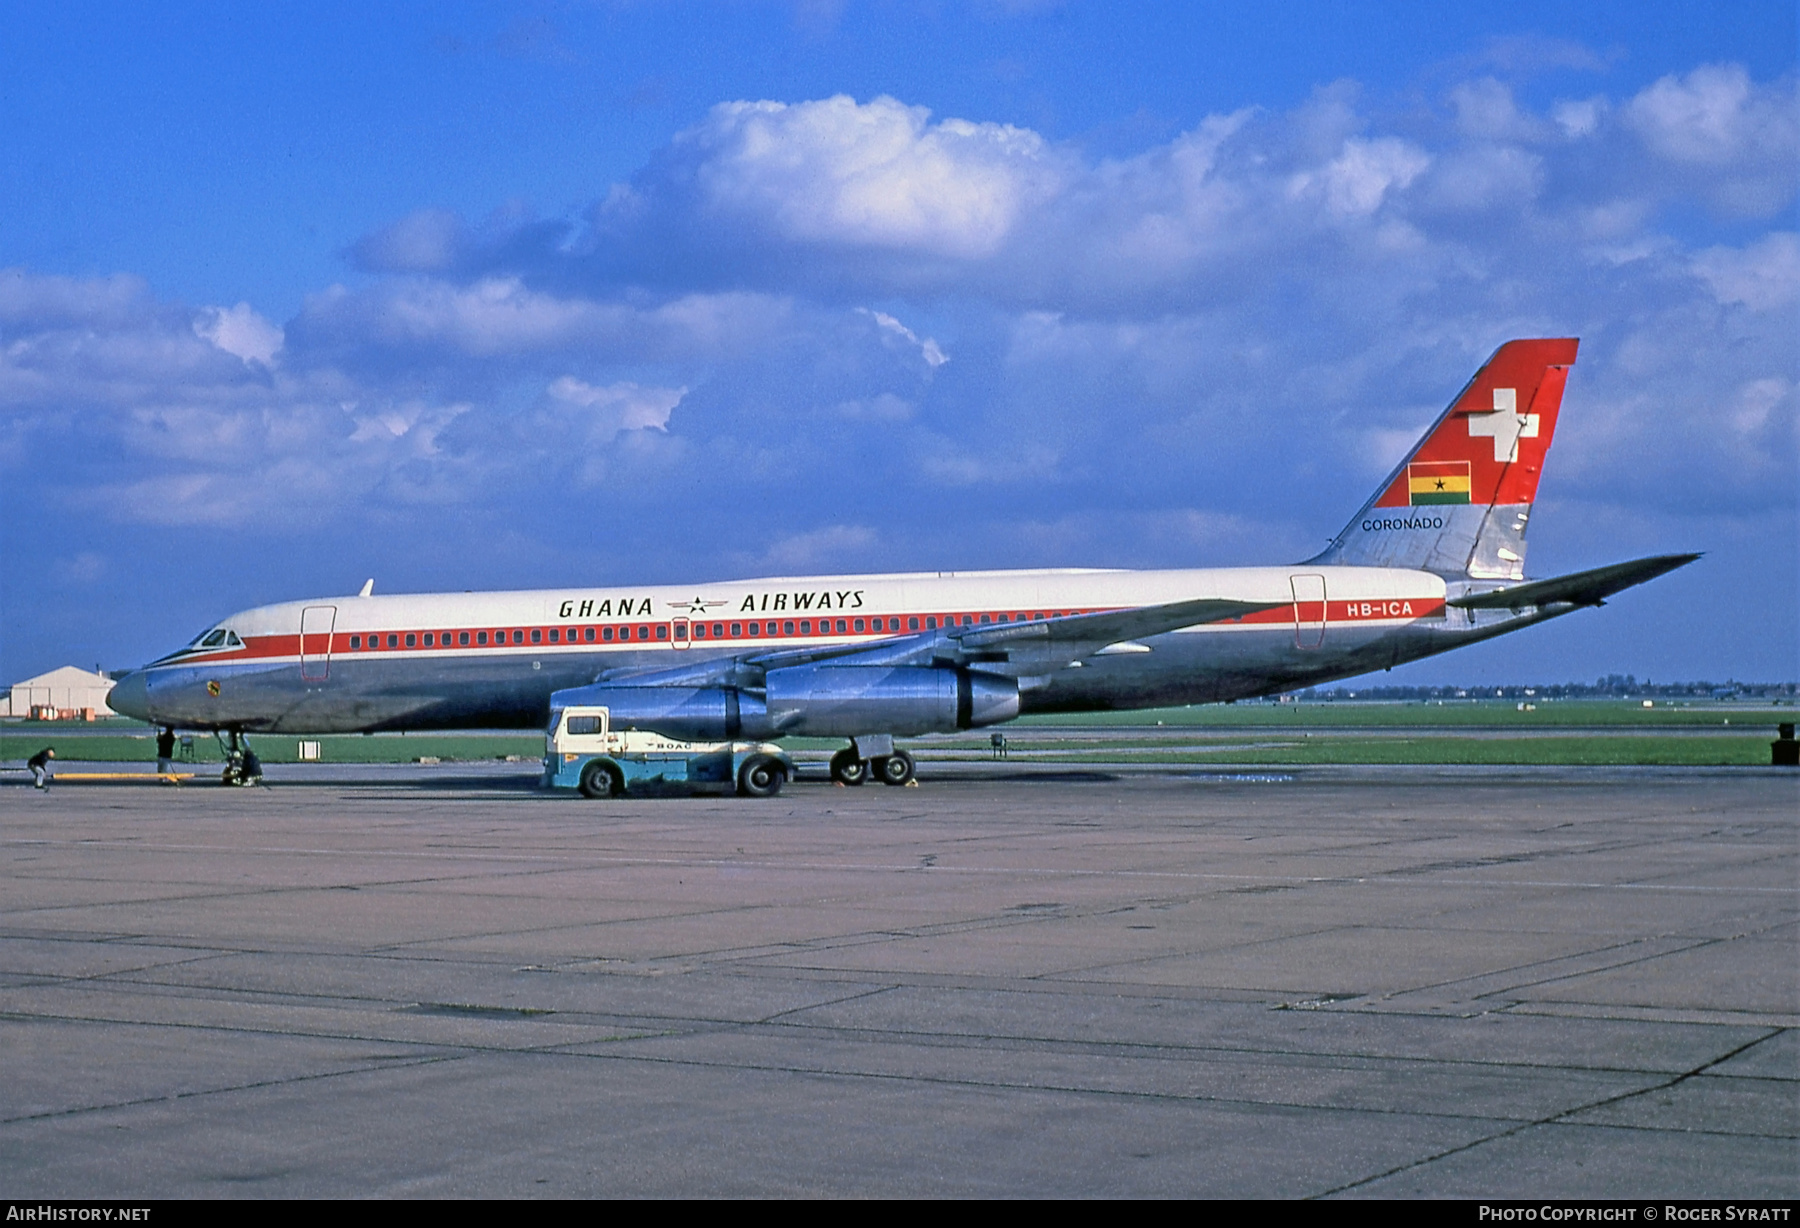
601	780
847	769
761	777
896	769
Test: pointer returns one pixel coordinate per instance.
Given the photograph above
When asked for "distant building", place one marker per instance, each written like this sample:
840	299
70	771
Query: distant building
67	693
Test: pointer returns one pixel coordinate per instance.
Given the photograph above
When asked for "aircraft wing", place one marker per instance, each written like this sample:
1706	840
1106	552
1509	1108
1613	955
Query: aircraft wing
1062	639
1108	627
1579	588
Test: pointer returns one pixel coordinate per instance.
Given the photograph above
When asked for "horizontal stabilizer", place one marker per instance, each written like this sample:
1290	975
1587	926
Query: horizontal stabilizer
1581	588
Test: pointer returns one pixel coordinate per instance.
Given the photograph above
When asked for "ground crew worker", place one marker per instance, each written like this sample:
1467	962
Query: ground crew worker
165	752
40	765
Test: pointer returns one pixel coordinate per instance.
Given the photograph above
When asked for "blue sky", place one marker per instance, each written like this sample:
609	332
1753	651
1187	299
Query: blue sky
502	295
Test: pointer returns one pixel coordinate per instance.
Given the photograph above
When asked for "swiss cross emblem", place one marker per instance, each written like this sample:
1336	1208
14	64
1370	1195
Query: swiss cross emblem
1505	426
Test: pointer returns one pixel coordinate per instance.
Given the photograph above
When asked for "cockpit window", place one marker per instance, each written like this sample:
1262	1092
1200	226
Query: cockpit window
232	640
213	639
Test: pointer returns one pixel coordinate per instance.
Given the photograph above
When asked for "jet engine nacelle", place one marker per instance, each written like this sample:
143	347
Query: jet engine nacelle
829	700
812	700
695	714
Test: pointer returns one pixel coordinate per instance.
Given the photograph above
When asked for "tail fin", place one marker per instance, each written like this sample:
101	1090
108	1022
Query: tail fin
1458	504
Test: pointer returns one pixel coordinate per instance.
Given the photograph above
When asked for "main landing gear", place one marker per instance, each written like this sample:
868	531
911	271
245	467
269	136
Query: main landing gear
242	767
849	768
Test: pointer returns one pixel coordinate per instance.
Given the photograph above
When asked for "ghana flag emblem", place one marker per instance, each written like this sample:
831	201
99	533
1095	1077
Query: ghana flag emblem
1437	482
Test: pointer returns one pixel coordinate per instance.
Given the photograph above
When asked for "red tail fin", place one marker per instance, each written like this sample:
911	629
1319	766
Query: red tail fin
1468	484
1499	427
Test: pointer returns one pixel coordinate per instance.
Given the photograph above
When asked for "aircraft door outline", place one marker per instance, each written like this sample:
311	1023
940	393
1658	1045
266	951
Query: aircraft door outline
317	622
1309	610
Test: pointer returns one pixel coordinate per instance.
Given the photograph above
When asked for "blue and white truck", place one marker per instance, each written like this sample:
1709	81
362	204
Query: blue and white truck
583	753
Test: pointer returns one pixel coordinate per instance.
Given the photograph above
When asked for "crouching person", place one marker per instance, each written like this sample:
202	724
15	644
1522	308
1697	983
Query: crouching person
40	766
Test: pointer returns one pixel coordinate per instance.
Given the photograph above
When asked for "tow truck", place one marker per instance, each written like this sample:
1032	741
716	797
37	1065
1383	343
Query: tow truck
585	754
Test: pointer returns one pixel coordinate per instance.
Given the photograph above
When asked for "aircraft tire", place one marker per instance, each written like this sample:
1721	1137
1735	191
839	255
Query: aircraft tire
761	776
600	780
847	769
896	769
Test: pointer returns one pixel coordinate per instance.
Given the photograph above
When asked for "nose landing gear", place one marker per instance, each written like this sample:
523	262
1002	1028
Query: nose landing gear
242	767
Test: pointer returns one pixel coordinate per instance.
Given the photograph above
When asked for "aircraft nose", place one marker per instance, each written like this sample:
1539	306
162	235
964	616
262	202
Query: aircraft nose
130	696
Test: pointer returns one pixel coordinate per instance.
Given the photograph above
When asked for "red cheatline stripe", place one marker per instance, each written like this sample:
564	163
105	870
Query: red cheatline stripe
262	647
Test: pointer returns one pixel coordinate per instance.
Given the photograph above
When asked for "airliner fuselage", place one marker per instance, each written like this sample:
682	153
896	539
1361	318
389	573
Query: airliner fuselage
493	660
1434	560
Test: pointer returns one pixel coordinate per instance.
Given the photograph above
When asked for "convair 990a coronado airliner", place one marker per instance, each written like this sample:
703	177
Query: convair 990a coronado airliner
1433	561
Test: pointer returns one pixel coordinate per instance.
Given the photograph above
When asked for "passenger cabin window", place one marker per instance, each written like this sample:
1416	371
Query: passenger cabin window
518	637
462	639
588	635
412	641
857	625
737	628
699	631
356	641
537	636
481	637
931	623
912	624
718	630
681	631
393	641
662	631
606	633
806	626
428	639
755	628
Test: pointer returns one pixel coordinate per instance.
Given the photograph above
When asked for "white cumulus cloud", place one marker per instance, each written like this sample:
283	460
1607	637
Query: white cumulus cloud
240	331
1762	276
604	412
1355	183
878	173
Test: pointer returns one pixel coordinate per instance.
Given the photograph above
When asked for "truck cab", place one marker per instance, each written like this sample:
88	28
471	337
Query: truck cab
585	754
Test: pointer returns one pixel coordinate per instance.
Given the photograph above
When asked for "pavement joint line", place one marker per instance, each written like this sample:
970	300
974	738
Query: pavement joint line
1149	1048
1690	944
1558	1008
1396	876
399	1063
1014	1085
448	1048
562	1049
651	1026
1557	1119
